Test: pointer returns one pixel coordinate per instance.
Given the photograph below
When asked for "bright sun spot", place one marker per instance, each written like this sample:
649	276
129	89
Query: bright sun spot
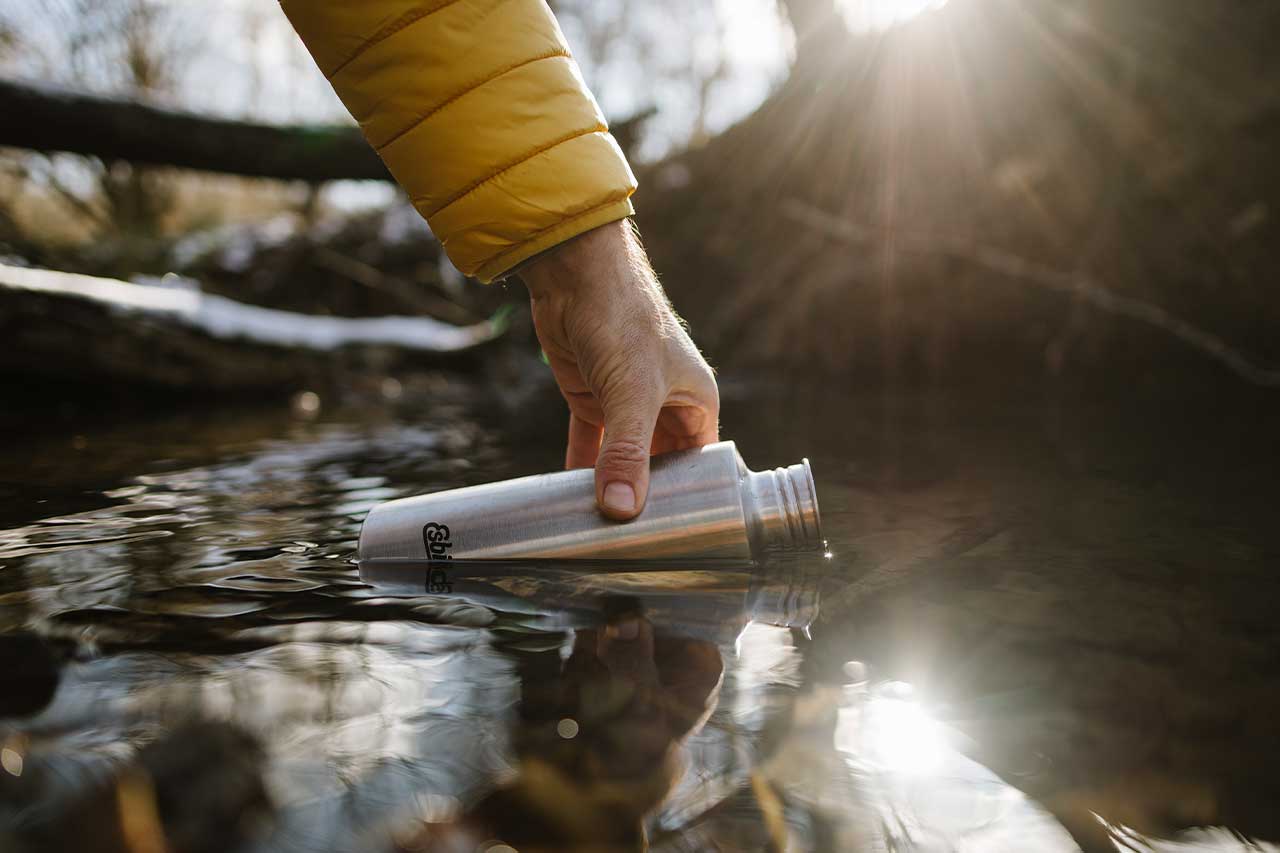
901	738
883	14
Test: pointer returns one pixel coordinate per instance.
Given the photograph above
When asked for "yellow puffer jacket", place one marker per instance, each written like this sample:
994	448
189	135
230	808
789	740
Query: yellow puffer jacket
481	115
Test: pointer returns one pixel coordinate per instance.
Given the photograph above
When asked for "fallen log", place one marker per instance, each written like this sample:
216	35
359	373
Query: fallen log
173	336
49	119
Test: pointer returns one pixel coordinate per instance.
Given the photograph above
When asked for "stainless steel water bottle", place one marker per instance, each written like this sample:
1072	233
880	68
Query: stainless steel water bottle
702	503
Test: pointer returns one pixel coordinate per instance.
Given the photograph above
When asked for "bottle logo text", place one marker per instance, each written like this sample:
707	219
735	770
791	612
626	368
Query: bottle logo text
436	539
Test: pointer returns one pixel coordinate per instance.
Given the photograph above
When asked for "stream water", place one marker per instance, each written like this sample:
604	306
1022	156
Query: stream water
1044	625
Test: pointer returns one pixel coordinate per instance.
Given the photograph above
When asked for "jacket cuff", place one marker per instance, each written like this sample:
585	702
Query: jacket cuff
504	264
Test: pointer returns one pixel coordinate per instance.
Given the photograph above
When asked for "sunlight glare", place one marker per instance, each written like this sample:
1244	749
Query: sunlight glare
863	15
901	737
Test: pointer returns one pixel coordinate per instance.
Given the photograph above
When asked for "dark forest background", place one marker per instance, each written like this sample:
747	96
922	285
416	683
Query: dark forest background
989	189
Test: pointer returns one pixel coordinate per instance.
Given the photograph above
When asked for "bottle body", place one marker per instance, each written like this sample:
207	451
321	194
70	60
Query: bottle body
702	503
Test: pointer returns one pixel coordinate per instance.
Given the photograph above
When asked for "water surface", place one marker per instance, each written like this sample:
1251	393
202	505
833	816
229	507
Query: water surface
1046	624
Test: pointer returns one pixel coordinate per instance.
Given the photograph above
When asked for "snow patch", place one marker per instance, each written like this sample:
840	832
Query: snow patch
225	318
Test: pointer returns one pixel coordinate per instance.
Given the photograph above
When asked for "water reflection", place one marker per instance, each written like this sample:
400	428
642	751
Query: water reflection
926	794
686	707
596	740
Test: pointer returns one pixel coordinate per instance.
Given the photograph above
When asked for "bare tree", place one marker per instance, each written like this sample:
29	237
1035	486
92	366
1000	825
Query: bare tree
124	47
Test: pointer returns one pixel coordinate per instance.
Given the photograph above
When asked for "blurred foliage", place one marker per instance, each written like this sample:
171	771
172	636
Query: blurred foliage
127	47
242	59
849	221
716	64
853	217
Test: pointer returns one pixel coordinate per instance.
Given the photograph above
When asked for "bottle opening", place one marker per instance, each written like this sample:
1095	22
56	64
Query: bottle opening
786	506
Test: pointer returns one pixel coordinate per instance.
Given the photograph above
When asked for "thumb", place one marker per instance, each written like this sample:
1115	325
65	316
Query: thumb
622	468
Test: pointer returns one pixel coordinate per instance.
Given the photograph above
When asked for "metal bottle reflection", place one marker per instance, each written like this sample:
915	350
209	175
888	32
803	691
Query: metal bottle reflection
709	599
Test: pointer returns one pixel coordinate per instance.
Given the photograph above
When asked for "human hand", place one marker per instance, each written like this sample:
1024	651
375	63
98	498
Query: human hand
634	381
637	692
634	695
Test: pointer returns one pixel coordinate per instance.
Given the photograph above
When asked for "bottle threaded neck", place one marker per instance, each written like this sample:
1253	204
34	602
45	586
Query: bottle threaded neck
786	508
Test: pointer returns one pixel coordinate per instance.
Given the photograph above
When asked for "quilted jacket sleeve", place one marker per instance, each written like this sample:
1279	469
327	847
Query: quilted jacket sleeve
480	113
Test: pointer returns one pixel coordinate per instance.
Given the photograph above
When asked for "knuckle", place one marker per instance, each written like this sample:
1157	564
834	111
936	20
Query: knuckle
707	381
622	454
698	386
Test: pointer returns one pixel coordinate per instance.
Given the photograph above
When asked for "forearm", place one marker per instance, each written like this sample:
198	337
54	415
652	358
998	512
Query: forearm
480	113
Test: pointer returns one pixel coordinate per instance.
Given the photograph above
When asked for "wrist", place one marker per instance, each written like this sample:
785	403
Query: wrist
592	258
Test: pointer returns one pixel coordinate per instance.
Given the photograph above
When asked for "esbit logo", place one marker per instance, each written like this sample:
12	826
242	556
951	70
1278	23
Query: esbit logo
438	582
436	538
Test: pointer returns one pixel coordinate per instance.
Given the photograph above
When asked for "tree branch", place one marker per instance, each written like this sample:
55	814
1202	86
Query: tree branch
1020	269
